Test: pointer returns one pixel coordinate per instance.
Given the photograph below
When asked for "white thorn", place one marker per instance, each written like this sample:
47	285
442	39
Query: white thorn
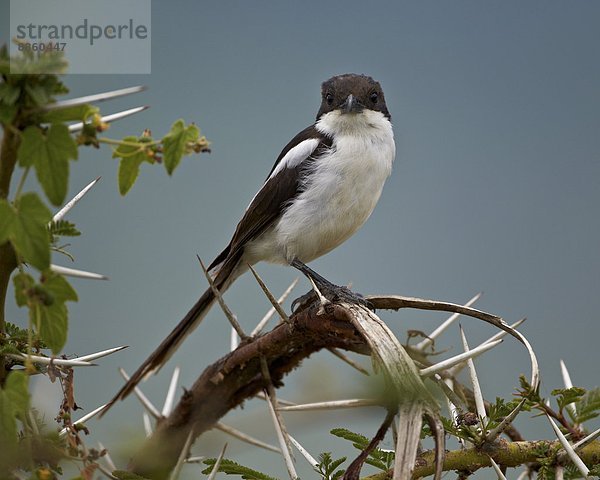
85	418
182	456
287	456
503	333
460	358
107	457
147	424
559	472
569	449
97	97
309	458
147	404
479	402
584	441
170	399
76	127
439	330
51	360
272	310
332	405
568	384
63	211
71	272
234	340
215	469
497	469
103	353
245	438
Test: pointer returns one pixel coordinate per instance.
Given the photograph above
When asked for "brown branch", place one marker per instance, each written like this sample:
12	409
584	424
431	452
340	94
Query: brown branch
237	376
505	454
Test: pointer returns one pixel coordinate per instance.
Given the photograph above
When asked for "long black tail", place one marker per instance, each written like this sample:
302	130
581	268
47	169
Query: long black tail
226	275
168	346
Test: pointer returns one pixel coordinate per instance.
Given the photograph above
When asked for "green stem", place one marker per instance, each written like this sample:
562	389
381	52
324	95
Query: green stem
141	145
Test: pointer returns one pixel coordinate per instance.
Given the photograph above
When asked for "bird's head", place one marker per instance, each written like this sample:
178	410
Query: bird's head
351	94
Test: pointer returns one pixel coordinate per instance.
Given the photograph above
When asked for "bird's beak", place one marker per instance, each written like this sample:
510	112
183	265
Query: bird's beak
351	105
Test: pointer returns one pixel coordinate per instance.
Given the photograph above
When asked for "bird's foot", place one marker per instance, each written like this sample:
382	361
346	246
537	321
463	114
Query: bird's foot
332	292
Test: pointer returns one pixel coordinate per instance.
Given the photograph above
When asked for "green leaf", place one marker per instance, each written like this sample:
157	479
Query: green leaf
47	308
125	475
359	441
69	114
175	143
7	114
23	284
8	433
51	318
63	228
564	396
49	153
60	289
588	406
52	325
7	220
131	157
17	392
327	467
9	93
231	468
32	141
129	169
14	402
38	94
29	233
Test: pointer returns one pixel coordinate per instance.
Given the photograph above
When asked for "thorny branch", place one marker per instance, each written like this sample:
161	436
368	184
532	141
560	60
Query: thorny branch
237	376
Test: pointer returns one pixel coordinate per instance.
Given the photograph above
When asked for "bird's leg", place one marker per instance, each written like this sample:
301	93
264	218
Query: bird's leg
329	290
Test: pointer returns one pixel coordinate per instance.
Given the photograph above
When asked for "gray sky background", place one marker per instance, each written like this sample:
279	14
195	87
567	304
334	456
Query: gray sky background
495	188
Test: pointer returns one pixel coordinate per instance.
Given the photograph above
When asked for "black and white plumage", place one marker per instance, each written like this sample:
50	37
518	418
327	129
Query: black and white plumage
322	188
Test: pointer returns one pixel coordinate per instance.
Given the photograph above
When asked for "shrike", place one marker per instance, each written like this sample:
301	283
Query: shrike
321	190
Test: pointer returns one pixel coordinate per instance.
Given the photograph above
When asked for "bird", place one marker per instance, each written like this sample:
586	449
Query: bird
322	188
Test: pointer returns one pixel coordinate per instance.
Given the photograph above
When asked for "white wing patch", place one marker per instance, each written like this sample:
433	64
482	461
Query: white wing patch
296	155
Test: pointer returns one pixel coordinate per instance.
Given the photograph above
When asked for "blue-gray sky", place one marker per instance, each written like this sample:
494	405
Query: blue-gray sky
496	183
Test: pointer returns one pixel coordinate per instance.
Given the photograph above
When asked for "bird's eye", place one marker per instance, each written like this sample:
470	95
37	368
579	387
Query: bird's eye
374	97
329	99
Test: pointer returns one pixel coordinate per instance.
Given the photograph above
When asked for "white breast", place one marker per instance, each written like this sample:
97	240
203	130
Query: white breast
341	192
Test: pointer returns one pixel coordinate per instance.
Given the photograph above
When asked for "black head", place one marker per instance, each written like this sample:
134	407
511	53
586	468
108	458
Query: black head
351	93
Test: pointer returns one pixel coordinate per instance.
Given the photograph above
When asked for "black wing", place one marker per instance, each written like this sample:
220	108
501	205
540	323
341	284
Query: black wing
275	194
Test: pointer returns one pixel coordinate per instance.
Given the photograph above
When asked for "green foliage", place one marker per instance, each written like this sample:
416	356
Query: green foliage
328	467
49	151
378	458
133	151
46	302
62	228
14	403
40	140
26	227
588	406
565	396
232	468
125	475
178	142
595	471
22	95
358	441
70	114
